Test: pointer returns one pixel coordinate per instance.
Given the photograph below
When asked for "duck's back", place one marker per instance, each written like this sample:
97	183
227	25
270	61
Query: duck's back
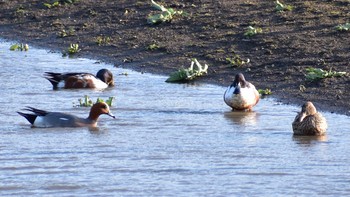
310	125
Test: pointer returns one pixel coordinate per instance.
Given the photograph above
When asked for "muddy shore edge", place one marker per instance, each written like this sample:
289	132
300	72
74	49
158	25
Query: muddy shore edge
211	32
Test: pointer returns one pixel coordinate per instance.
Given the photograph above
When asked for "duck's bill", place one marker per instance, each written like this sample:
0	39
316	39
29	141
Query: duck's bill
111	115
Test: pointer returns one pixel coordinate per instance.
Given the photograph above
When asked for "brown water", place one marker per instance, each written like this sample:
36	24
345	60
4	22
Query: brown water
167	140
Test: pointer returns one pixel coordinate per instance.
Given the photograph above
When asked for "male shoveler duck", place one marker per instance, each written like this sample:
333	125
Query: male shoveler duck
241	95
45	119
102	80
309	121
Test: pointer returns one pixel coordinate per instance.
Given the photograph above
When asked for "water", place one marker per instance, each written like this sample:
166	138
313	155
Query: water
167	140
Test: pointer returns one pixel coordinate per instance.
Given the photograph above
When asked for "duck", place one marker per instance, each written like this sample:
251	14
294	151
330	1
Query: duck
45	119
74	80
309	121
241	95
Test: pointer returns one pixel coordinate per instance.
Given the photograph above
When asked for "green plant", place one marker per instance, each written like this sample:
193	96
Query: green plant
52	5
252	31
153	47
20	10
63	33
265	92
190	73
109	101
281	7
103	40
315	74
344	27
166	14
87	102
236	60
58	3
19	47
73	49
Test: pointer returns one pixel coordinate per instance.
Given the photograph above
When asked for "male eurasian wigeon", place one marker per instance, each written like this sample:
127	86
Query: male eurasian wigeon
41	118
309	121
241	95
102	80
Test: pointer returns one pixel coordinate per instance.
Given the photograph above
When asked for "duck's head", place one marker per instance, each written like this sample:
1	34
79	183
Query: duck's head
106	76
238	83
308	108
100	108
239	79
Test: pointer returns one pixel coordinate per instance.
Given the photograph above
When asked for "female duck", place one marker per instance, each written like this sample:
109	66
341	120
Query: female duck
241	95
45	119
309	121
102	80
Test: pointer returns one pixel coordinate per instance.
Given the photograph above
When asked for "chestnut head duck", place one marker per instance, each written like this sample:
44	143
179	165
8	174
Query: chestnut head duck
102	80
309	121
45	119
241	95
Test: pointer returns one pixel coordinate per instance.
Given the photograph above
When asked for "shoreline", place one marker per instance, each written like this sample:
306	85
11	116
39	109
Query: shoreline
198	80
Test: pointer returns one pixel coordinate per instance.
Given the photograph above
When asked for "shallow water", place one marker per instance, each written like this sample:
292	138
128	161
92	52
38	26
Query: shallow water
167	140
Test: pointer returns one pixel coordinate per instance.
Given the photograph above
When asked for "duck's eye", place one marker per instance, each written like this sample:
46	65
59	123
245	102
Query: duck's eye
104	106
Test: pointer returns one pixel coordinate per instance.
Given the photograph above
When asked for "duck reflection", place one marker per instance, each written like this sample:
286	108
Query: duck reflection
94	130
242	117
309	140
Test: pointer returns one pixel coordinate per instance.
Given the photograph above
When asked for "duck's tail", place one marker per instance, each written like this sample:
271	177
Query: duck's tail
30	117
54	78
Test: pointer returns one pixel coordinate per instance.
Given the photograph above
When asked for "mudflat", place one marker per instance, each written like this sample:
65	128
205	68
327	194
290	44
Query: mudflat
287	42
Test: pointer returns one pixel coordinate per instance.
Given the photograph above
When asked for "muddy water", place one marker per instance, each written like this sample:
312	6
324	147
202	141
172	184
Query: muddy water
167	140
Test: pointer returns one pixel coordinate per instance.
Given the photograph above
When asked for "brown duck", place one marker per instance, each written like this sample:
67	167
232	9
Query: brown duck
309	121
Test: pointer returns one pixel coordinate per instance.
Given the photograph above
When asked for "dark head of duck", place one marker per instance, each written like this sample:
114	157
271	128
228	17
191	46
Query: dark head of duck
239	83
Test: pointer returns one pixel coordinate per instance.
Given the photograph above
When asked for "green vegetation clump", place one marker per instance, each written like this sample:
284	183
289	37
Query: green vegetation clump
252	31
20	11
265	92
153	47
19	47
72	49
87	102
63	33
103	40
315	74
187	74
344	27
52	5
282	7
166	15
59	3
236	60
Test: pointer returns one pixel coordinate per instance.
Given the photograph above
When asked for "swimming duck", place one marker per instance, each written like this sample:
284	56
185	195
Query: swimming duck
102	80
309	121
45	119
241	95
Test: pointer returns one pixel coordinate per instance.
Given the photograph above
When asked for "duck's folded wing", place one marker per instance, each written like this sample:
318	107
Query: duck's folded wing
57	119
